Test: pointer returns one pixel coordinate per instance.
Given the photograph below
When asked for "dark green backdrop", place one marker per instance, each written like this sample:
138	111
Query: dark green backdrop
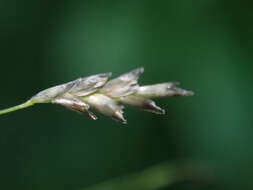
204	44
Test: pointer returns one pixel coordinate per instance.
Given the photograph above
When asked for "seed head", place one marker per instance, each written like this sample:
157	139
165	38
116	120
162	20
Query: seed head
107	97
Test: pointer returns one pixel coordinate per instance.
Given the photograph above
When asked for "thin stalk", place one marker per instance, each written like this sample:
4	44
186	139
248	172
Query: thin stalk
18	107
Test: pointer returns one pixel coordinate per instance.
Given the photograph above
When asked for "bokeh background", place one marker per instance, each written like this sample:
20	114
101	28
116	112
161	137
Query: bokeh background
204	44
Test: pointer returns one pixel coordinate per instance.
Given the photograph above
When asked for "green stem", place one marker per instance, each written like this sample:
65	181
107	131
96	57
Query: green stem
18	107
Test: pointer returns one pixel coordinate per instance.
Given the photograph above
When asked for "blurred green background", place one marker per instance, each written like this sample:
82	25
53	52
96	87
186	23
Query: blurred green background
204	44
